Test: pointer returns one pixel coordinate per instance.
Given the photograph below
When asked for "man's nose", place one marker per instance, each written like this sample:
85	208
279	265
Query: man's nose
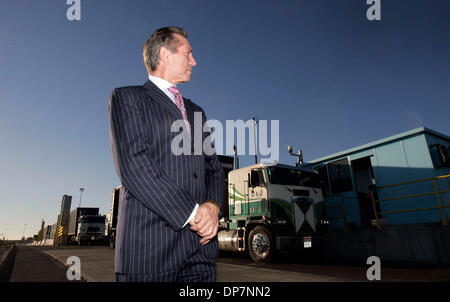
192	61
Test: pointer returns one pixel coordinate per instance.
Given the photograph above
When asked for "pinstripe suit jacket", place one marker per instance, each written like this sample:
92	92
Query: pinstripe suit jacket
160	188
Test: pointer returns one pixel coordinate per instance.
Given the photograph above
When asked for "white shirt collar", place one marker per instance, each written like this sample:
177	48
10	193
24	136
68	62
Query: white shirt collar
161	83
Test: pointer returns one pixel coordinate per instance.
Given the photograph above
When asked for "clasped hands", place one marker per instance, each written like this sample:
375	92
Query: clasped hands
206	222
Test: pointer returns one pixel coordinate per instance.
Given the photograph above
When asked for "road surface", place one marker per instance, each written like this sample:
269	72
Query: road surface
47	264
32	265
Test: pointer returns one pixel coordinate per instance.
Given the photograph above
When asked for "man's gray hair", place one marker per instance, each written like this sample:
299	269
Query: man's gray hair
163	37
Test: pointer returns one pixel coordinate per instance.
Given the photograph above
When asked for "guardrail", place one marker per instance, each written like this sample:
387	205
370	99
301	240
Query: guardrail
435	193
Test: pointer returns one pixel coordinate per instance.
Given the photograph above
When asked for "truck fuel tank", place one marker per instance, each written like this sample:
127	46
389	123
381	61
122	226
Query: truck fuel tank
228	240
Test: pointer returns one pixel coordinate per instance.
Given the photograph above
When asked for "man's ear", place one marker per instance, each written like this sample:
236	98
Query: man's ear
164	55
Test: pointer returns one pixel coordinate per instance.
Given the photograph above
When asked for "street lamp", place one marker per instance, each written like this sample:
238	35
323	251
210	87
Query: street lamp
81	190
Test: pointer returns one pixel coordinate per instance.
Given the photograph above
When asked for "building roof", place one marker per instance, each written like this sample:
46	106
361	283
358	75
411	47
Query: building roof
402	135
278	165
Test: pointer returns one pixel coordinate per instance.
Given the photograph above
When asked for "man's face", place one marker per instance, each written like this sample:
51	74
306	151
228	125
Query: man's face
180	64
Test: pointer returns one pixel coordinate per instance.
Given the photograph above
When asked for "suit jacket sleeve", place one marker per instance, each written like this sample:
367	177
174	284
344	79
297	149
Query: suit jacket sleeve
214	173
138	171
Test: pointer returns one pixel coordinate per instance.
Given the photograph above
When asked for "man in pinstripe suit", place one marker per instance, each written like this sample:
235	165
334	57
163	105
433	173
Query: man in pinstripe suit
169	208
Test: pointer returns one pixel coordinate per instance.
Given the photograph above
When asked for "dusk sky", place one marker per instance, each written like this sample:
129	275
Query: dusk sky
333	79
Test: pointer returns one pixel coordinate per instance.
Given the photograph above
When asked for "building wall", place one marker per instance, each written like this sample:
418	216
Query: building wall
403	161
418	244
400	160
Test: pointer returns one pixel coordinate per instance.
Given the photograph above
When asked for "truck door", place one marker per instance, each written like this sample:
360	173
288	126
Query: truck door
237	204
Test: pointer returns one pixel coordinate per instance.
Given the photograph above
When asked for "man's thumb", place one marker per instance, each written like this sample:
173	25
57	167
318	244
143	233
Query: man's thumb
198	218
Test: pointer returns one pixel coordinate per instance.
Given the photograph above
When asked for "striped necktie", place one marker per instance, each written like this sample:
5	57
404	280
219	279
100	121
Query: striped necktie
180	104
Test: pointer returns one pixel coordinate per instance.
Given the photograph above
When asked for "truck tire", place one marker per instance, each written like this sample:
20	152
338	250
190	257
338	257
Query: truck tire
260	244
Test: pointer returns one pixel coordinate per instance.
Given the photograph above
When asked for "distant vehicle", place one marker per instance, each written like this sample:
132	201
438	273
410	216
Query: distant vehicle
112	221
107	226
86	226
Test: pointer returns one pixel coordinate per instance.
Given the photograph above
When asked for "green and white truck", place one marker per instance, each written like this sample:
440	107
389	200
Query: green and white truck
270	206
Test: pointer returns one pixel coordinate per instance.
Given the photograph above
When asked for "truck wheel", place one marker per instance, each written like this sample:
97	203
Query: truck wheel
260	244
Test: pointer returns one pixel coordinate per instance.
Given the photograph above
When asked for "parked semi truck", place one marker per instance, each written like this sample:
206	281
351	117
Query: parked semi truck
267	207
112	221
86	226
271	206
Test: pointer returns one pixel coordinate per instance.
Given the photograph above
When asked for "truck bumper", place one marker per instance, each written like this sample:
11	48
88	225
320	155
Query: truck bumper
300	242
93	238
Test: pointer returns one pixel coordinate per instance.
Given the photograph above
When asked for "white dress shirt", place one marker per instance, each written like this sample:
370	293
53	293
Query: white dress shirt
164	86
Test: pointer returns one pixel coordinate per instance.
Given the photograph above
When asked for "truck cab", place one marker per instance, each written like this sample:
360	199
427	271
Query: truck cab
91	228
271	206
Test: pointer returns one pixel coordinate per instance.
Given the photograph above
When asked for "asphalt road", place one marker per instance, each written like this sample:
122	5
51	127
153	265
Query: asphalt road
32	265
343	272
97	264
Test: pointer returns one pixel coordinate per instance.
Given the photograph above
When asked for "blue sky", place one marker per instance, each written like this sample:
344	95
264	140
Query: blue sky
332	78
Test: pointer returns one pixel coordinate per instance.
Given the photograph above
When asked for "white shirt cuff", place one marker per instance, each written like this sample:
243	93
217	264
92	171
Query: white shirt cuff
194	212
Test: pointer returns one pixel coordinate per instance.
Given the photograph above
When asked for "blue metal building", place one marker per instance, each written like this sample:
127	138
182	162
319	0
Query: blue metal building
402	172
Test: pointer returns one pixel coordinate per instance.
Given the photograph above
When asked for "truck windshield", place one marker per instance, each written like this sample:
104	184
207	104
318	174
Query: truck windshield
93	219
292	177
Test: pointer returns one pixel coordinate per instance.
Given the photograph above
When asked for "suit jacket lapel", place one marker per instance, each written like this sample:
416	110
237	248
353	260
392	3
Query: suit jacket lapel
161	98
190	115
191	118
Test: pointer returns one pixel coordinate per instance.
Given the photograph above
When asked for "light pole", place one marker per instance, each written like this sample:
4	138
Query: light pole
81	190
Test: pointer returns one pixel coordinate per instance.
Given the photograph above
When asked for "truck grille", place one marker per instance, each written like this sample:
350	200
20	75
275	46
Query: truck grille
93	229
305	205
300	192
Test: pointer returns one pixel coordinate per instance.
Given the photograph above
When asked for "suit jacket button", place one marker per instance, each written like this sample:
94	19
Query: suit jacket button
195	175
128	196
167	224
